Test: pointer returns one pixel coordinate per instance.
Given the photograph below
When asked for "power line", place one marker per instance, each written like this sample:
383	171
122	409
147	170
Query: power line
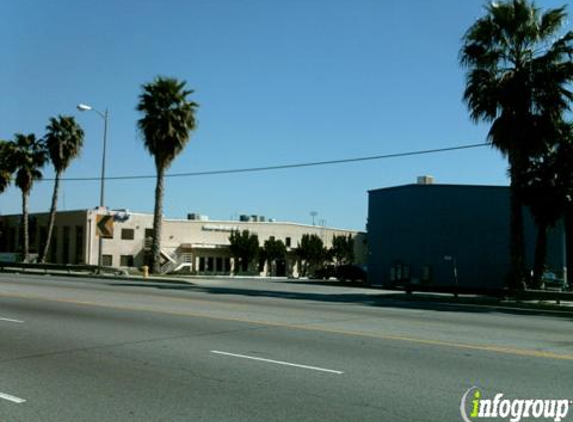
284	166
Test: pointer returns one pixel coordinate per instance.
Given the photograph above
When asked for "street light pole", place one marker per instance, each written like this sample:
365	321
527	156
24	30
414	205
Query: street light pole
102	182
104	116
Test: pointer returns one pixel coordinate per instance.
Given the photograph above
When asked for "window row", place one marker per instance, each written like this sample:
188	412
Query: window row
124	260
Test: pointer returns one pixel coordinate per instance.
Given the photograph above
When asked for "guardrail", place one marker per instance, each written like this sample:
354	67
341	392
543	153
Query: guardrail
93	269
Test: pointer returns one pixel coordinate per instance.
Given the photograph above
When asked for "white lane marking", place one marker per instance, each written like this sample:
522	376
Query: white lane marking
278	362
11	320
13	399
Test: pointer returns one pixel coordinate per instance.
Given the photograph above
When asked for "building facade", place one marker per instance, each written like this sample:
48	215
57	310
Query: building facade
195	245
421	233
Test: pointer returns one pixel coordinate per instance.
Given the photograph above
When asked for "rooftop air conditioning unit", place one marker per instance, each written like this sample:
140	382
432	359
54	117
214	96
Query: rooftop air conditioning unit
425	180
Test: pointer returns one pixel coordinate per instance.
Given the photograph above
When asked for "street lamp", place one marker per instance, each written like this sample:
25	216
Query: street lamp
104	116
313	214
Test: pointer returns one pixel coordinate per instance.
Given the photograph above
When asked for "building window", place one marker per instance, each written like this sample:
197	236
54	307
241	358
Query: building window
43	237
201	264
219	264
20	238
126	261
3	238
32	230
66	245
127	234
12	240
210	264
287	242
54	244
148	233
79	244
107	260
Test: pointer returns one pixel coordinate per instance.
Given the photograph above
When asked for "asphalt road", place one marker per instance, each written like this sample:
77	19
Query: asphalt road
251	350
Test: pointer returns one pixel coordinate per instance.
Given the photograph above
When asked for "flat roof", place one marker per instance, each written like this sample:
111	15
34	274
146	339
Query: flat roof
185	220
438	185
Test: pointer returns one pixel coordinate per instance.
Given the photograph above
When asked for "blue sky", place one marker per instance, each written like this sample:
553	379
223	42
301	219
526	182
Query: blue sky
278	82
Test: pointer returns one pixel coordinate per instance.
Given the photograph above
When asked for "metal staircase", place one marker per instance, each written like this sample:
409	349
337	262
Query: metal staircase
175	261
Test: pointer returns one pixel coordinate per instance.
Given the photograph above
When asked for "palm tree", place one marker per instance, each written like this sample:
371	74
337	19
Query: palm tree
29	156
6	165
541	193
548	191
168	118
518	71
64	140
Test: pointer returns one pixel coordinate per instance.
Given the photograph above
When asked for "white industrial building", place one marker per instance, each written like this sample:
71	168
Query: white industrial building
196	245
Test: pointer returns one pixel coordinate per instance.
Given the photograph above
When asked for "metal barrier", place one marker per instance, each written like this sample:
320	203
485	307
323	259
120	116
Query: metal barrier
69	268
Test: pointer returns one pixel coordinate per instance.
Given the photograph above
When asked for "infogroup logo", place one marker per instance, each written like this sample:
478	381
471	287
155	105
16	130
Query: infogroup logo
474	407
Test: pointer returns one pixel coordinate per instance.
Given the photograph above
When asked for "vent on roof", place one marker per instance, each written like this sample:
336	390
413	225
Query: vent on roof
425	180
197	217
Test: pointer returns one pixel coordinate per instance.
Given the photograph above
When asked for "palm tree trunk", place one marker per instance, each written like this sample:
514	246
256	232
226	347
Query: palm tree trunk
517	275
46	246
540	254
157	220
25	226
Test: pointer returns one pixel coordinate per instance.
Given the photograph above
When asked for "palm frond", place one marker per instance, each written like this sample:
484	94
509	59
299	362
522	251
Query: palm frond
168	118
64	141
518	72
28	156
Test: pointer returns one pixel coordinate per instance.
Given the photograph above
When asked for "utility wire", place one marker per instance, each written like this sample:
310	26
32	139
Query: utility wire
284	166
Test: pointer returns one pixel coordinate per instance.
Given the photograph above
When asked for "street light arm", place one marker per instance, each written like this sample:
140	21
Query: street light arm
85	107
102	115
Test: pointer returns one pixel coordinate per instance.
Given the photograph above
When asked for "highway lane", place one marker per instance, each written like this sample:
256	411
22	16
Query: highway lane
114	352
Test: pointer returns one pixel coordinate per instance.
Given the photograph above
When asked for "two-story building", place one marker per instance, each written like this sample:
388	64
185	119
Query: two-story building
196	244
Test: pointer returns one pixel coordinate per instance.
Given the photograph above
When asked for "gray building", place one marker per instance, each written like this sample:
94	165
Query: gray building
417	232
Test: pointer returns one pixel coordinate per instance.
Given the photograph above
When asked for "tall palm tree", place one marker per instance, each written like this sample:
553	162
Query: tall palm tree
29	156
168	118
64	140
518	70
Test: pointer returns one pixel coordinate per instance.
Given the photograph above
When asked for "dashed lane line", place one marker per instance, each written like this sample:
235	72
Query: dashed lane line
278	362
11	398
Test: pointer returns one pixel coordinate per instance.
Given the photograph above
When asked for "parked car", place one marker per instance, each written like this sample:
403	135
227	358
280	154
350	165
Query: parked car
324	273
351	272
550	281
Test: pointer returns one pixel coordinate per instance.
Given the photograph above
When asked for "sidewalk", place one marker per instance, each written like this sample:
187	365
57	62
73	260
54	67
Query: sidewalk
486	301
